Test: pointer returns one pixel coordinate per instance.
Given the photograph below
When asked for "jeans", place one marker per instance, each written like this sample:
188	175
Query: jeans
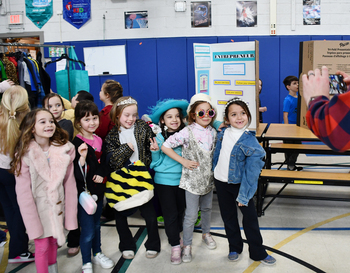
8	198
126	240
193	202
172	201
227	195
90	237
45	253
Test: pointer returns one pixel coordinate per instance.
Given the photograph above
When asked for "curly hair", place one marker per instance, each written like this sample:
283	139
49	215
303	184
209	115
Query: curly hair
59	138
14	106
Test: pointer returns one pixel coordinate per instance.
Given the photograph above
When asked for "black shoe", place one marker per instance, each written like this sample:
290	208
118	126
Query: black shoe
27	257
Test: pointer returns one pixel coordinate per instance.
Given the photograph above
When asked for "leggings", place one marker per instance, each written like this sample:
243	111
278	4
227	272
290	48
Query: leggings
45	253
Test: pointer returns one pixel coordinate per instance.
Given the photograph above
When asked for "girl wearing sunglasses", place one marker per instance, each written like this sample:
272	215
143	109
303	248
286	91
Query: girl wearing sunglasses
197	140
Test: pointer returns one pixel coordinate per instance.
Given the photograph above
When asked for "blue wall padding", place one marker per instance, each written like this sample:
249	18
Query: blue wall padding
159	68
269	59
172	72
142	72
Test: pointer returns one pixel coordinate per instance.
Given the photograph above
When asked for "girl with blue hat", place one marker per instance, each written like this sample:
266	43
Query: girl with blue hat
169	114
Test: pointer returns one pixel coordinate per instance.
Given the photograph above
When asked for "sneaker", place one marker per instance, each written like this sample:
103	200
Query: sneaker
199	218
269	260
87	268
128	254
233	256
175	255
102	260
26	257
187	254
160	220
73	251
209	241
150	254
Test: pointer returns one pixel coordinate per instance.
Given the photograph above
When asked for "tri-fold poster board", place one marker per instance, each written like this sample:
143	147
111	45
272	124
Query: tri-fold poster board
227	70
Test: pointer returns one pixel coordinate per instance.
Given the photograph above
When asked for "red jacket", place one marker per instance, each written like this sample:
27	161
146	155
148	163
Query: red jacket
329	120
105	123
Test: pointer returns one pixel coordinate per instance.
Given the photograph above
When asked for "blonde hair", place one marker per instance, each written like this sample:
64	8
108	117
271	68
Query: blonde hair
14	106
118	108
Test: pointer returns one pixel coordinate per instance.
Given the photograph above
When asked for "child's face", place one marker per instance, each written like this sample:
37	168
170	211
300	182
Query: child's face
89	124
103	96
237	117
54	105
205	120
294	86
172	119
128	117
44	127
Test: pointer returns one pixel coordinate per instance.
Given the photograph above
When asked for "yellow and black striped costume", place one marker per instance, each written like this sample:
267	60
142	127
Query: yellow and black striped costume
130	187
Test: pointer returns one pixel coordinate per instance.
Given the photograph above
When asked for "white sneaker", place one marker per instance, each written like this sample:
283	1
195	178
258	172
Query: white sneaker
102	260
187	254
209	241
150	254
87	268
128	254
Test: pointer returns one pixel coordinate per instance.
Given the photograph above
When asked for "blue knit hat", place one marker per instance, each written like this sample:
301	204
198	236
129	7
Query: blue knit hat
164	105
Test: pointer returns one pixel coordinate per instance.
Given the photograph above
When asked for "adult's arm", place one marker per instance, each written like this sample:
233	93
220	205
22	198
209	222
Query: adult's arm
328	119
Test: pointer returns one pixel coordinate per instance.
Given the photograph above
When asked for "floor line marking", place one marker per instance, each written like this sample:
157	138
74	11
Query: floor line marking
123	264
254	265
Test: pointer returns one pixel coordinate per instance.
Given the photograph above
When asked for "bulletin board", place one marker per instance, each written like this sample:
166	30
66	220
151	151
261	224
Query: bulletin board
105	60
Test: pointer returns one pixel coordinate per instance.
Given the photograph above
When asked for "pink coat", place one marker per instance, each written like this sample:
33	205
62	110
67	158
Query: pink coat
47	193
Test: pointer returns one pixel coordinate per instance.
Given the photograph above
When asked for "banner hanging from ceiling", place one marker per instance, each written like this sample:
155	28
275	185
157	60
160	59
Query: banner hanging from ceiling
77	12
39	11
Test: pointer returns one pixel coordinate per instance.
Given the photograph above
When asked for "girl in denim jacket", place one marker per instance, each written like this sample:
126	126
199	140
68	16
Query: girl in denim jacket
237	163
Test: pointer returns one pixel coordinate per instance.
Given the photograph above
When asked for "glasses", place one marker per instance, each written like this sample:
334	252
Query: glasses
201	113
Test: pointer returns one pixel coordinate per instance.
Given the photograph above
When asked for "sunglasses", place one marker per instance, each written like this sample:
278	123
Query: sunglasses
201	113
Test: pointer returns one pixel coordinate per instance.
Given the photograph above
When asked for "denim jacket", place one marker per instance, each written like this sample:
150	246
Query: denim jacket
245	164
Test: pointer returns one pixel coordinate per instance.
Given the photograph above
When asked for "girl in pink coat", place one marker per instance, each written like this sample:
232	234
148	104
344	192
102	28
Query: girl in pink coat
45	185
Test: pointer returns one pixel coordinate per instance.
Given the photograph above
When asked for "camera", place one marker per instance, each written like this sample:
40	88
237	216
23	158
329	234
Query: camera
336	84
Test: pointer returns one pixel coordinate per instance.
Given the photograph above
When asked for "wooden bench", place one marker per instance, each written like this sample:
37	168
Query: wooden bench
301	149
292	177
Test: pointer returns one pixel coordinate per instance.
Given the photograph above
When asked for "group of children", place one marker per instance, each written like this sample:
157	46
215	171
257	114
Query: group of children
188	159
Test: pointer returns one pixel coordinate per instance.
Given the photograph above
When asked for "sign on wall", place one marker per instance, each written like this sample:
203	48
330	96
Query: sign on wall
227	70
77	12
39	11
201	14
136	19
246	13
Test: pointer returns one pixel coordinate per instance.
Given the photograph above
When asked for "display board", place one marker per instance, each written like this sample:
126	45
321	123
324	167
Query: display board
227	70
105	60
